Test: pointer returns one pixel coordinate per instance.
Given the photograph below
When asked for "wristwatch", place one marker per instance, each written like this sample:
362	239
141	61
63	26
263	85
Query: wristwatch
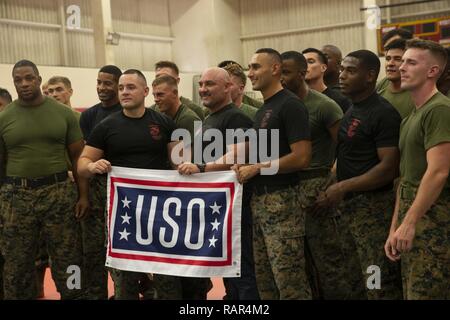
201	166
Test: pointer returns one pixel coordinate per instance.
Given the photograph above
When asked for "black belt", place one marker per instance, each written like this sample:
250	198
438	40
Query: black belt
262	189
313	173
36	182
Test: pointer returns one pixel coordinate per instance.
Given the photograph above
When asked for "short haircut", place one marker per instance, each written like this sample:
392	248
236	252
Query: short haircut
322	56
136	72
334	49
57	79
165	78
5	95
26	63
225	63
403	33
167	64
235	69
435	49
396	44
272	52
368	59
298	58
111	69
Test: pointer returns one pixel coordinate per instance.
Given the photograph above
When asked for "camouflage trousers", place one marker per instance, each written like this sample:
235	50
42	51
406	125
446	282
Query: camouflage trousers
180	288
244	287
426	268
278	245
93	228
329	268
26	214
368	217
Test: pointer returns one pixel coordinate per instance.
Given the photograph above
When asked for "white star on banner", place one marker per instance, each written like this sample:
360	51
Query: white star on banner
124	234
126	218
126	202
215	225
215	208
212	242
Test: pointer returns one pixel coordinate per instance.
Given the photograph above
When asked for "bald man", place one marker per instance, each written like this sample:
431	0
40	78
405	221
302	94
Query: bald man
334	55
215	92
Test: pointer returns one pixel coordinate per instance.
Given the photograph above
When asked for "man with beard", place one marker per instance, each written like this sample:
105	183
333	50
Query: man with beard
278	216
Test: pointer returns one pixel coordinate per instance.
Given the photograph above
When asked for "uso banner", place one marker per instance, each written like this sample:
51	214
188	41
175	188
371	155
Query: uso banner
162	222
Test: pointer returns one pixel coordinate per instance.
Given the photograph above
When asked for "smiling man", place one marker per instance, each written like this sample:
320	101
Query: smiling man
278	217
420	229
124	139
391	90
94	226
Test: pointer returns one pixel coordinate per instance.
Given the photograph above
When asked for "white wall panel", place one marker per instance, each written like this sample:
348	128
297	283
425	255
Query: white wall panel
321	21
150	17
81	49
41	43
20	42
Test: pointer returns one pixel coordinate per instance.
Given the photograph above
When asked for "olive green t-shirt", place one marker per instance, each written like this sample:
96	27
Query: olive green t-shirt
401	101
421	130
323	113
248	110
194	107
185	118
252	102
188	103
35	139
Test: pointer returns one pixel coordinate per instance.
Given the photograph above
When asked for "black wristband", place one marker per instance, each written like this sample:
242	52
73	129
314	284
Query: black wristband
201	166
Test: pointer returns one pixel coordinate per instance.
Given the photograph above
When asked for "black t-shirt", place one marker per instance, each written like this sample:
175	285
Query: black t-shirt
368	125
287	113
343	102
94	115
229	117
134	142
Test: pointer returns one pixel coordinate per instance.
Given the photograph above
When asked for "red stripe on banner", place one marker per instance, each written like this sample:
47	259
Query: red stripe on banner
200	185
174	184
206	263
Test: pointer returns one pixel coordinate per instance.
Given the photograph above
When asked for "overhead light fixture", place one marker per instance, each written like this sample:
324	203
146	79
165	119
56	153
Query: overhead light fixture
113	38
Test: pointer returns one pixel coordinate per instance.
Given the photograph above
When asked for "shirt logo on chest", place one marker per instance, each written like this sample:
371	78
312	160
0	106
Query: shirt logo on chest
265	119
352	127
155	131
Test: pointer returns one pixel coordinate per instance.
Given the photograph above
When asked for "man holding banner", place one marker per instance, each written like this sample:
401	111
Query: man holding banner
215	91
135	138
